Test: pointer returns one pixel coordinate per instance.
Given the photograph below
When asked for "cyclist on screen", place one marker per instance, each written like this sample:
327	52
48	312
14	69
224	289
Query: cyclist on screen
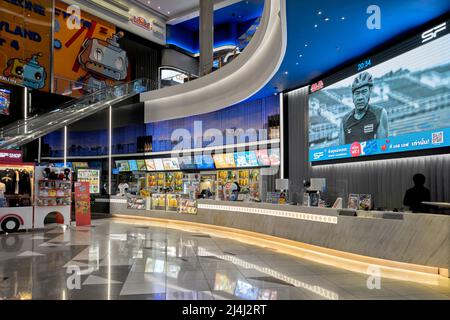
365	122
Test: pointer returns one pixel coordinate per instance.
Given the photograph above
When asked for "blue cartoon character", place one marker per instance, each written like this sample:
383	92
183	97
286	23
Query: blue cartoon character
30	72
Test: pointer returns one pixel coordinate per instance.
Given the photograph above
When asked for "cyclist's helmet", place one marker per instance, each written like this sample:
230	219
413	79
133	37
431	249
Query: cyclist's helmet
361	80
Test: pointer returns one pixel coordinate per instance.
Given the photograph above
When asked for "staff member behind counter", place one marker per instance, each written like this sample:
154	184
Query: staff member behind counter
416	195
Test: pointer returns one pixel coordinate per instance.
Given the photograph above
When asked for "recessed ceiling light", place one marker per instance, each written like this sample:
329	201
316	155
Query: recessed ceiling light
315	26
300	55
306	44
327	19
168	12
159	7
286	72
342	18
296	63
148	2
319	12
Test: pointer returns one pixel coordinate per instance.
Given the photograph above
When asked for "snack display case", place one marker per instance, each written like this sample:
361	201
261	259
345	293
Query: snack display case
172	201
53	193
158	201
248	180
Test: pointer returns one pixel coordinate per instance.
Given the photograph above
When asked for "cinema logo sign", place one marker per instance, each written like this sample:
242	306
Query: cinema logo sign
141	22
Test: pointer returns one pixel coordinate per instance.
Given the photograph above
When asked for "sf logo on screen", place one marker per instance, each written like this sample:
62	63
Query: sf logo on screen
433	33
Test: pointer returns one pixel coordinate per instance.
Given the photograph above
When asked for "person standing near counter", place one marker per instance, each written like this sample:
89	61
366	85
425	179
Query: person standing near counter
416	195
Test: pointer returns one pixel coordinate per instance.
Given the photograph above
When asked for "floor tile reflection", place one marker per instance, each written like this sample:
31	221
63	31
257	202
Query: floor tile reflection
117	260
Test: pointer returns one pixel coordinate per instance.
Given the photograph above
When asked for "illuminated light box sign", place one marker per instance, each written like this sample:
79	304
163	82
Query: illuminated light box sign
10	156
133	165
159	166
395	102
246	159
171	164
141	165
122	165
224	161
204	162
150	164
263	158
274	156
187	163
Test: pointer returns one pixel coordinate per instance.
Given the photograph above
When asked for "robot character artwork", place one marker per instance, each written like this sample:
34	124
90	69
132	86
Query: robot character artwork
29	71
103	59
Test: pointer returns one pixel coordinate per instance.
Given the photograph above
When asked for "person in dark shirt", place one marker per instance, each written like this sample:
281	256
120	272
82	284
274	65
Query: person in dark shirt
416	195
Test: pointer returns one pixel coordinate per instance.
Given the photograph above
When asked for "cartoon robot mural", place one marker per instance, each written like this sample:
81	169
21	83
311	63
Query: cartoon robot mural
29	71
103	60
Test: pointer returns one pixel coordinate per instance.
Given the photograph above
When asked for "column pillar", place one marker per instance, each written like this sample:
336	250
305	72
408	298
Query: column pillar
206	37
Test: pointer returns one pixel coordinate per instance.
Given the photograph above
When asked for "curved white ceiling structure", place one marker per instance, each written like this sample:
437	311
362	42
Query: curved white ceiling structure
233	83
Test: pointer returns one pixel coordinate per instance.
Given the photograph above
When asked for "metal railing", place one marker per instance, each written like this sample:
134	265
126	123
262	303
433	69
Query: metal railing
24	131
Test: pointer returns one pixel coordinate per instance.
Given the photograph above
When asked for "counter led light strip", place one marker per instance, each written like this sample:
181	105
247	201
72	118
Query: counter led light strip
269	212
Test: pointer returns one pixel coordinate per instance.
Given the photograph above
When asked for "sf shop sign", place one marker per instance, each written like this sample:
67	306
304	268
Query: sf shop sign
10	156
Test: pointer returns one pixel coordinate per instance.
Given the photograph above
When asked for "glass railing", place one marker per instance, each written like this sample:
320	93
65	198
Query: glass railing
24	131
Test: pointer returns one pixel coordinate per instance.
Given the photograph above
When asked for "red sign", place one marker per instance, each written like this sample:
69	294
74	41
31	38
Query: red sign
82	204
10	156
316	86
141	22
355	149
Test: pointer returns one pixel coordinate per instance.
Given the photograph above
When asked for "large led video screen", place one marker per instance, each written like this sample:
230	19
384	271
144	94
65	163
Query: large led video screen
394	102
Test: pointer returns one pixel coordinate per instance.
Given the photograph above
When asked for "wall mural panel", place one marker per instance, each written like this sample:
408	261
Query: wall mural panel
25	43
87	53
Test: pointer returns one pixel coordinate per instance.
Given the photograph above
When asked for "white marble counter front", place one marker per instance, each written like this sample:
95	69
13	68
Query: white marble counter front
422	239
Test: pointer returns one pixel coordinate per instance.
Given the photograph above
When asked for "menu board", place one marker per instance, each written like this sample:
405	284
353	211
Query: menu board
204	162
187	163
274	155
150	164
224	160
61	165
122	165
92	176
133	165
158	164
263	158
241	160
171	164
246	159
77	165
252	160
141	165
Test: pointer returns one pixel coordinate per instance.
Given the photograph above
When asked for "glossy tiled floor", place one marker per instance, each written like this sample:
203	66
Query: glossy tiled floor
118	260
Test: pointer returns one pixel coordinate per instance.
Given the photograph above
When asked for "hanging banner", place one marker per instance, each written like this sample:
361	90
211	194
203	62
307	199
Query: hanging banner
82	204
25	42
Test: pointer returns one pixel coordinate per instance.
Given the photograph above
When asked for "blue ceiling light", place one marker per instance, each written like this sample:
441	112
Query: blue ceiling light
354	38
